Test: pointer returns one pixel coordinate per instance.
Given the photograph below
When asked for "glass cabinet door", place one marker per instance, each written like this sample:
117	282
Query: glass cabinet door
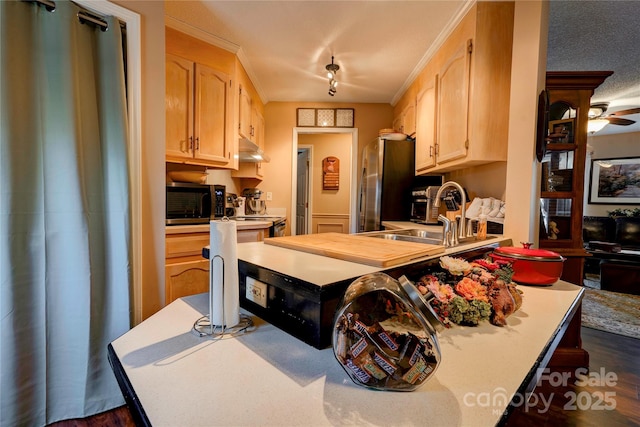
557	192
555	219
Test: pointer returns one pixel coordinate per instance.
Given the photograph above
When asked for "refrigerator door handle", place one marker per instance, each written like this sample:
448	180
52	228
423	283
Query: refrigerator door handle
362	200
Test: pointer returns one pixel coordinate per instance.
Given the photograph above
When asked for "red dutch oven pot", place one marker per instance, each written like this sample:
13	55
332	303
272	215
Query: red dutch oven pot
531	266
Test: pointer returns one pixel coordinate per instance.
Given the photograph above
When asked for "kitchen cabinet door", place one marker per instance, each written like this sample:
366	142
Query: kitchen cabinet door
213	104
197	108
405	122
453	105
251	235
253	131
248	170
409	119
257	125
258	131
186	278
426	126
245	129
179	107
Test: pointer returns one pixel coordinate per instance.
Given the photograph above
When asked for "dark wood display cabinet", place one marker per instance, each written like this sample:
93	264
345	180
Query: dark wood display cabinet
562	189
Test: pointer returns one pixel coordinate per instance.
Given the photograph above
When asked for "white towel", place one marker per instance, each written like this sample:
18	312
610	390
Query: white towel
493	208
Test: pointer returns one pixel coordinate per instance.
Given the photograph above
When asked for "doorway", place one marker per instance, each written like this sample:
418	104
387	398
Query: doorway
348	167
303	189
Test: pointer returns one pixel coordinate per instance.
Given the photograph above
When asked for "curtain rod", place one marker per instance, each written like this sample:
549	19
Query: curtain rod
83	15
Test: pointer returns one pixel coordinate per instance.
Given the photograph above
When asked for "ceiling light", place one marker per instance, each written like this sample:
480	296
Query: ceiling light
332	70
595	125
596	110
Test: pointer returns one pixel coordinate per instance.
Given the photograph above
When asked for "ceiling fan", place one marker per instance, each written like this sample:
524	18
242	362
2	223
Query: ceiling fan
597	113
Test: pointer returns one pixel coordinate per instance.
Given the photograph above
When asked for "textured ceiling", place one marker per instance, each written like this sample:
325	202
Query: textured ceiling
600	36
381	45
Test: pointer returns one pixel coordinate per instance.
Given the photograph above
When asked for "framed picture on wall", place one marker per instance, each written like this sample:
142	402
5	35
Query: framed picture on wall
615	181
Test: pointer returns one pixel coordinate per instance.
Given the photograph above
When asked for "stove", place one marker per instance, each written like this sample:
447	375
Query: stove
279	223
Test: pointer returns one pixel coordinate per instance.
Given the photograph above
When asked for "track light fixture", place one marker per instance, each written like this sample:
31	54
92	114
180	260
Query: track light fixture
332	70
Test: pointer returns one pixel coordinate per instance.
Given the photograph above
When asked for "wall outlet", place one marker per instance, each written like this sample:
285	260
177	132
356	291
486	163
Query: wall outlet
256	291
269	195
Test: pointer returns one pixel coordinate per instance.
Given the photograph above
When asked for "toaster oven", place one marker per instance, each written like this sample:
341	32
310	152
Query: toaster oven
423	209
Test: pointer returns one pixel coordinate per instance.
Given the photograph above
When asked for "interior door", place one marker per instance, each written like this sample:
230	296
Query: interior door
302	193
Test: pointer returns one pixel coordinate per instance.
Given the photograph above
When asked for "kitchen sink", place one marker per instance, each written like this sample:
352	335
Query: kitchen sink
408	238
417	236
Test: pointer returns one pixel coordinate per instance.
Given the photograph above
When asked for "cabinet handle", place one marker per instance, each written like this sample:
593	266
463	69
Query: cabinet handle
197	143
190	143
435	151
431	151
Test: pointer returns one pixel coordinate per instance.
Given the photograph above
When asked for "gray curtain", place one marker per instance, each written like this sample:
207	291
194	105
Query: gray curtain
64	213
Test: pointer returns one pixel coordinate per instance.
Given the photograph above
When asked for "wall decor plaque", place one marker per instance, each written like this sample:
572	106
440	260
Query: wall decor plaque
330	173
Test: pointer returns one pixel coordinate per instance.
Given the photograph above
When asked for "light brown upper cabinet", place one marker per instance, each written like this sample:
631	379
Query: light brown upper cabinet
405	122
198	107
463	93
426	126
245	127
453	105
250	127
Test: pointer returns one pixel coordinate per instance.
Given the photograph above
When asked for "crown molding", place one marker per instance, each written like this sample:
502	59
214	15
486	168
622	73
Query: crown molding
205	36
444	34
198	33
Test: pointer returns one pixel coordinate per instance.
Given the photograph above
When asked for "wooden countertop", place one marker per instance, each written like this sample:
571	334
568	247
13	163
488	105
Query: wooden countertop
268	377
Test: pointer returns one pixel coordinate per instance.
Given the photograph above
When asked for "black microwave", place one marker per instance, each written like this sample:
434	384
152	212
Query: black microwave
194	203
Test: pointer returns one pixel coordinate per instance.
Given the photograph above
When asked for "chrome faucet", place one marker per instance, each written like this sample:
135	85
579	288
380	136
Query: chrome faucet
446	230
462	230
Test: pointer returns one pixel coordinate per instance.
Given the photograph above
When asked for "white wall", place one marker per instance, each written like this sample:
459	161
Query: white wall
608	147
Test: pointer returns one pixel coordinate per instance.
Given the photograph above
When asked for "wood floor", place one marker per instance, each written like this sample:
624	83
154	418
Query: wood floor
609	353
119	417
612	399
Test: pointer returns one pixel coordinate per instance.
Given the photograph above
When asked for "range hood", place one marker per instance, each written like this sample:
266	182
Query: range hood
249	152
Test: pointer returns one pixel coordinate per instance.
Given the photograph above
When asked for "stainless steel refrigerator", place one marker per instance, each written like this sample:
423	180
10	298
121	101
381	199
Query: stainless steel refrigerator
386	180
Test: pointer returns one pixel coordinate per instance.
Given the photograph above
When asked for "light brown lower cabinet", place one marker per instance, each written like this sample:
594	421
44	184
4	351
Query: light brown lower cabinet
186	278
186	272
252	235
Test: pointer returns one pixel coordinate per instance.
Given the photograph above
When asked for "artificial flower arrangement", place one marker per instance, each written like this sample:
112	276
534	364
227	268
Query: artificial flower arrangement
467	293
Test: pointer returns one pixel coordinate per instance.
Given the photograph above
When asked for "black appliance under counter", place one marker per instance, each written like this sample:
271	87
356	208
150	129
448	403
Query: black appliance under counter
298	292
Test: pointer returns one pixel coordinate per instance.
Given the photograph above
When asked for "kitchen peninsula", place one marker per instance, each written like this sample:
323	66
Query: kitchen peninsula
170	376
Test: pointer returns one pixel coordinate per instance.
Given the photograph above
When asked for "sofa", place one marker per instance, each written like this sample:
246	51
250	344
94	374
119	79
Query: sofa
614	246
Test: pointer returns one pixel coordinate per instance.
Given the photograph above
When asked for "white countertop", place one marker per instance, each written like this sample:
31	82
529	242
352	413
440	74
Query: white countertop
204	228
267	377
